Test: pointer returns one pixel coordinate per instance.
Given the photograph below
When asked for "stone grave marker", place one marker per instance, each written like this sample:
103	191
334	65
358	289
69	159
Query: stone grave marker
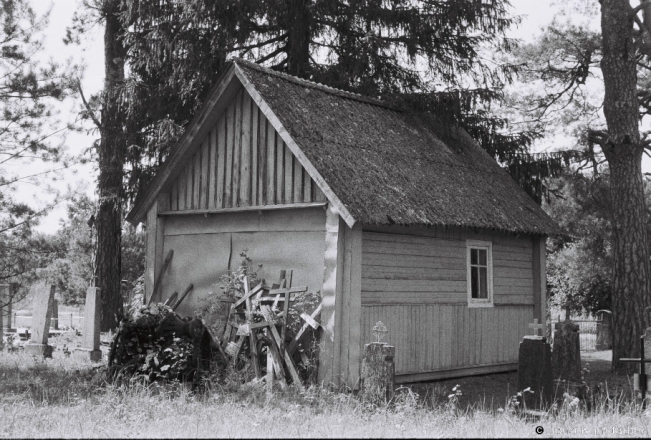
378	368
6	298
566	356
604	331
535	369
43	297
90	334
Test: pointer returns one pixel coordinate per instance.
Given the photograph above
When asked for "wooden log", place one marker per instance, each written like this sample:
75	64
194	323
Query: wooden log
277	362
172	298
253	340
159	278
268	314
283	326
185	293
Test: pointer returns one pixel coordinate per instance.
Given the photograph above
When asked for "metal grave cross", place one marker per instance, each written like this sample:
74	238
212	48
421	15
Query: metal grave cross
379	330
640	380
535	326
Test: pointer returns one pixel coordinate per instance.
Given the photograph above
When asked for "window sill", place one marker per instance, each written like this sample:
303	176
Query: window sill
480	304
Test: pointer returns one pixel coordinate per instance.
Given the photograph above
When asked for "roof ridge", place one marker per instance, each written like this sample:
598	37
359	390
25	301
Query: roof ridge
314	85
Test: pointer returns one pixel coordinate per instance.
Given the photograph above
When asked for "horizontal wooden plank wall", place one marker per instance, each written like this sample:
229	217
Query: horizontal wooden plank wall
414	281
409	269
242	162
435	337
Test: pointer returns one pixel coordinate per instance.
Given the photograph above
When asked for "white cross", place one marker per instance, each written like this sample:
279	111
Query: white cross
535	326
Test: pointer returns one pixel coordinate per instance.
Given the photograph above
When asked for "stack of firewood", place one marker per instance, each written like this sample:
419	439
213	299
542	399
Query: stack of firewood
256	337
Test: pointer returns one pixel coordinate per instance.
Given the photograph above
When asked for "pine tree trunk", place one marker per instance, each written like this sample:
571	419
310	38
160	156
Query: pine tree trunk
298	38
111	165
623	150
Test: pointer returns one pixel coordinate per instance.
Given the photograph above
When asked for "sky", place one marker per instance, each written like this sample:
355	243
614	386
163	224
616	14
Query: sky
535	14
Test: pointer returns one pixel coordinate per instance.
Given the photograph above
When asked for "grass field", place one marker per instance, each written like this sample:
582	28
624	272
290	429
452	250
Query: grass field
62	397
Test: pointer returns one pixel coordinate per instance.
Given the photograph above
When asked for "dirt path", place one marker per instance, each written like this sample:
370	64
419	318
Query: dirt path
495	390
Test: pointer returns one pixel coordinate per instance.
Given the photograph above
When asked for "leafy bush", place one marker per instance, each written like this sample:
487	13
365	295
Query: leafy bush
141	354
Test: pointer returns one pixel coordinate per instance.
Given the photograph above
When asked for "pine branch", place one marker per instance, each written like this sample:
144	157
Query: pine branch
90	111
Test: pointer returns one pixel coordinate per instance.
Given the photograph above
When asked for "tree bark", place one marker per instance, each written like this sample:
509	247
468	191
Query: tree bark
111	154
623	150
298	38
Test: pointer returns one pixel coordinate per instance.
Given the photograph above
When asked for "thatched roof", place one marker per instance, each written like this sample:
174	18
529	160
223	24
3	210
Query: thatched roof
391	167
379	164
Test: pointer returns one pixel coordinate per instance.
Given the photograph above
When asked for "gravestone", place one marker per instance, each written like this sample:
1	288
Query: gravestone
566	356
535	370
6	298
43	297
90	334
604	331
54	314
378	379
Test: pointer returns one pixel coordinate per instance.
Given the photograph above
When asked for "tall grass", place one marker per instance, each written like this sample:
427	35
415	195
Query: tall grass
63	397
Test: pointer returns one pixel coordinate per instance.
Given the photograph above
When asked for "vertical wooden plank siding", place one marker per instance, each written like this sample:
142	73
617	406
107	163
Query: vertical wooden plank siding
280	170
242	162
289	174
415	330
307	187
182	189
270	186
205	160
262	156
237	150
230	138
298	182
254	170
212	168
246	153
221	159
174	193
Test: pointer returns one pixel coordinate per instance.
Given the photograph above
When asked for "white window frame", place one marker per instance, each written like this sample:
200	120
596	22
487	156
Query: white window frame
488	246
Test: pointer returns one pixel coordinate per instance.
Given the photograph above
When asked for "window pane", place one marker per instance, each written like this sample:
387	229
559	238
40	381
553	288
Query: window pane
483	283
473	256
482	256
474	283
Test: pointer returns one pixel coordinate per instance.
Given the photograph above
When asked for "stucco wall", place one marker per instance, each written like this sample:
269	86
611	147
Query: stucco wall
285	239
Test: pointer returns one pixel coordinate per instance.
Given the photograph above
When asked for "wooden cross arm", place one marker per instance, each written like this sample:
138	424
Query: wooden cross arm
246	296
294	343
291	290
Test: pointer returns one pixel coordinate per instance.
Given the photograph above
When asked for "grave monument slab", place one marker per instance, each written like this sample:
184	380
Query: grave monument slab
90	334
43	295
535	370
566	356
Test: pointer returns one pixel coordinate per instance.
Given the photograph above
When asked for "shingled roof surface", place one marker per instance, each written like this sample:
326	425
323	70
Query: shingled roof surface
391	167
